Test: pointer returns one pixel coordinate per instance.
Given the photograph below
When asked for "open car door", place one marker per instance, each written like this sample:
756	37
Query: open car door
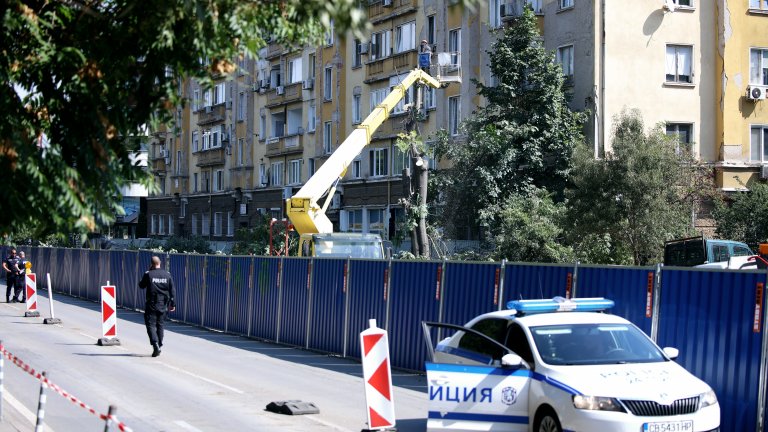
477	385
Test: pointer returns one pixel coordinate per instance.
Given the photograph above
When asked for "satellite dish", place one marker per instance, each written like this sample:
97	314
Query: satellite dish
670	5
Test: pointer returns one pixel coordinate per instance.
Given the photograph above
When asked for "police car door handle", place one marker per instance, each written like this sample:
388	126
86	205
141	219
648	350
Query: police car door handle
439	382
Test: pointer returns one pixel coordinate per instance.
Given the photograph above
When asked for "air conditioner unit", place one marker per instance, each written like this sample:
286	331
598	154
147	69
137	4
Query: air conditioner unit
756	92
262	211
308	84
287	193
363	48
280	90
386	3
669	5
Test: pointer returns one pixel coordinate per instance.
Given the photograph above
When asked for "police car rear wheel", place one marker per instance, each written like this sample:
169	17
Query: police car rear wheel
548	423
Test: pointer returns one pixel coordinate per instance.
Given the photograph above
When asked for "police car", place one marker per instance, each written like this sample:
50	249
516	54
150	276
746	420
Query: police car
560	365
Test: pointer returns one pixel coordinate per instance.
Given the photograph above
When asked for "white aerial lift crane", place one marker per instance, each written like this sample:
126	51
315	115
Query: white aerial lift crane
304	210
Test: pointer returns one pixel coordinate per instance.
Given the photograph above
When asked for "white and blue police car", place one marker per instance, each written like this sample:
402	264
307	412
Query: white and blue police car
560	365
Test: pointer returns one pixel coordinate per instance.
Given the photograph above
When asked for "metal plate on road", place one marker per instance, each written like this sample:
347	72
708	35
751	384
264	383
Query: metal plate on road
671	426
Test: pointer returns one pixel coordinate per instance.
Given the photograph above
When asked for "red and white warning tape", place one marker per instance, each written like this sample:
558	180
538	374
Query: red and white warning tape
26	368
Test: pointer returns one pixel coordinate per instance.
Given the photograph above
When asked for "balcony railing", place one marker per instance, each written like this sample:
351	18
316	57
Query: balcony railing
289	144
210	157
383	9
274	50
397	63
211	114
284	94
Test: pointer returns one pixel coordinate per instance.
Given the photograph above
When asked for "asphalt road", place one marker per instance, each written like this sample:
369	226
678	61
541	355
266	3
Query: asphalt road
202	381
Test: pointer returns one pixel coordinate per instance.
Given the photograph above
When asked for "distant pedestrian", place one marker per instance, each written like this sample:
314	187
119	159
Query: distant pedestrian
11	268
20	293
160	300
425	56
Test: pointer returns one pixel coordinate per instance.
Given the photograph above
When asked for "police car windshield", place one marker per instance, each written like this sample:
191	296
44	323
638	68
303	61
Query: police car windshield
594	344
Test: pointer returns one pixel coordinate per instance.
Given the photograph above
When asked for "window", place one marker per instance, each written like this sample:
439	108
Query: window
376	221
311	167
218	181
328	83
206	229
195	231
494	328
263	175
400	160
377	163
312	119
263	126
356	108
206	181
230	225
430	101
217	222
381	45
377	97
294	171
758	4
329	35
454	115
240	151
678	64
195	100
405	37
183	208
161	224
356	220
241	106
207	98
357	61
220	94
294	70
311	65
758	144
758	65
410	94
686	3
683	132
195	141
178	162
566	4
565	59
153	224
277	173
275	77
494	13
327	138
194	182
454	46
356	173
170	225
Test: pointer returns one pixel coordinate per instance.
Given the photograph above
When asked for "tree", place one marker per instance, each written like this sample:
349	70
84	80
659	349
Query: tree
744	216
623	208
415	201
524	135
81	80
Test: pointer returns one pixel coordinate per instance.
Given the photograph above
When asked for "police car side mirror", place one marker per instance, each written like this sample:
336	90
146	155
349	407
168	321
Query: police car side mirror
672	353
512	361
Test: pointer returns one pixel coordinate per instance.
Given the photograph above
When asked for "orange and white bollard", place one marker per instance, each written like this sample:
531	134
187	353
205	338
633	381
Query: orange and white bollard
378	378
30	280
108	316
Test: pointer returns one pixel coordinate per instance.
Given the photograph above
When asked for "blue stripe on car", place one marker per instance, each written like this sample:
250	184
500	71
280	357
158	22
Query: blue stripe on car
490	370
495	418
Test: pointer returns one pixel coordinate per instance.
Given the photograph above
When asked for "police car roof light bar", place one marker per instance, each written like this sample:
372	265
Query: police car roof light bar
560	304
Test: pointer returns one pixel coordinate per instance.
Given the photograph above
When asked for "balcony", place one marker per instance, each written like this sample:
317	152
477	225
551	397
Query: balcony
384	68
158	166
289	144
210	157
211	114
274	50
287	94
385	9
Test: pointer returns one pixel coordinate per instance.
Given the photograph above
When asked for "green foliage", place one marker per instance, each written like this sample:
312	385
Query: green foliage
91	76
255	241
527	227
192	244
623	208
523	137
744	216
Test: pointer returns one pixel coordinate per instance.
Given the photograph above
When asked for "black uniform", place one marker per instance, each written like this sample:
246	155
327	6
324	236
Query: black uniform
160	297
10	277
20	292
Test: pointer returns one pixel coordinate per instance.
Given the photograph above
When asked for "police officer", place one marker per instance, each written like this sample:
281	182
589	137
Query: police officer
19	293
10	265
161	297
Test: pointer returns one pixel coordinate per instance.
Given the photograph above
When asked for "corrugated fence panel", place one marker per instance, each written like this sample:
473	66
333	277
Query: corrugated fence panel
193	304
177	264
239	294
327	310
626	286
469	289
132	296
413	298
528	281
265	298
293	308
367	292
709	317
115	260
216	292
94	282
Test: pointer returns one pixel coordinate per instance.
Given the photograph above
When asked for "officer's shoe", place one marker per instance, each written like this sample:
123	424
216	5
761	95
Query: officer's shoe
155	350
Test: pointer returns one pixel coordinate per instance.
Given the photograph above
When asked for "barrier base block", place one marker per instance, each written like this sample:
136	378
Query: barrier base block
31	314
293	407
108	341
52	321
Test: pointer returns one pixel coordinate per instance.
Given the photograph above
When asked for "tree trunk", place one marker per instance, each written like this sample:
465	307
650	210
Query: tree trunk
423	178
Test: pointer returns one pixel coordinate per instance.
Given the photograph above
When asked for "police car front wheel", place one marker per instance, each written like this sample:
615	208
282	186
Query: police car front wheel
546	421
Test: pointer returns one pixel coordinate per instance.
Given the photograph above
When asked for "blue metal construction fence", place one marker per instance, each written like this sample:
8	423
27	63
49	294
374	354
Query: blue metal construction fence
715	317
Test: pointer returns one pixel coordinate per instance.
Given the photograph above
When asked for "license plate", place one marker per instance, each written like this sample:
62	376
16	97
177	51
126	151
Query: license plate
671	426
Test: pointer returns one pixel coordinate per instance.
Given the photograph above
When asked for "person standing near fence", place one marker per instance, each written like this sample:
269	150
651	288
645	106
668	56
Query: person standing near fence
20	293
10	265
160	300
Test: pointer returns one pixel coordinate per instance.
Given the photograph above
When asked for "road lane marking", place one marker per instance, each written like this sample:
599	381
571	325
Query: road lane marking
18	406
187	426
208	380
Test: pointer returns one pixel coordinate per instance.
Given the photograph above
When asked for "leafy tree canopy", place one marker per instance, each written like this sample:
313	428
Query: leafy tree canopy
525	134
744	216
80	79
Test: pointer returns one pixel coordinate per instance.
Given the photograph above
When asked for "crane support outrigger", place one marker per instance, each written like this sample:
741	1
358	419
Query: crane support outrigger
304	210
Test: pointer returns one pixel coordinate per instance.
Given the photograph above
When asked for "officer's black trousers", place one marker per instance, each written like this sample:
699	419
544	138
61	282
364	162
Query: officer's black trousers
9	284
154	322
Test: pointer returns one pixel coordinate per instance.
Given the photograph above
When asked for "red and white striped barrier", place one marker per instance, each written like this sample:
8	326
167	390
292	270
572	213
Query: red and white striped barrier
38	375
108	315
30	280
378	378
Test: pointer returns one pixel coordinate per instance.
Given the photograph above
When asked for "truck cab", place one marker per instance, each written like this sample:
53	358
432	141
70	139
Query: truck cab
697	251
